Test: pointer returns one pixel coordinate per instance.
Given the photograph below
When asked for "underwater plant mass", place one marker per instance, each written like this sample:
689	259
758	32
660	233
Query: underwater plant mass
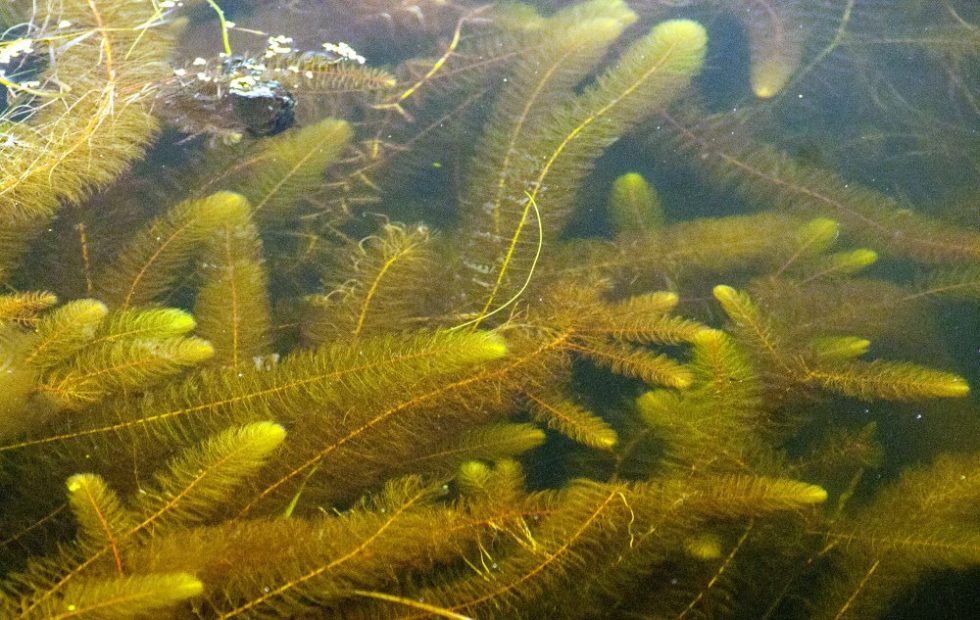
422	309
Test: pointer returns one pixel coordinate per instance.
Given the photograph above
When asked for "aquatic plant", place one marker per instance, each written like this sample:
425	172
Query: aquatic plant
413	341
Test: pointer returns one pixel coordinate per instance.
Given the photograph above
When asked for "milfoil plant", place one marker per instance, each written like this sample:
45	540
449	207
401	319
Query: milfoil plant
417	343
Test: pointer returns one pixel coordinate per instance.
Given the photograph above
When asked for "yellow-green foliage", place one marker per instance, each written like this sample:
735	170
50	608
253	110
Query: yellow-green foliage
776	36
66	330
80	353
101	518
379	365
865	380
231	308
126	597
277	173
202	479
716	424
491	442
561	413
761	173
378	289
105	62
156	258
648	75
921	522
634	206
128	364
23	307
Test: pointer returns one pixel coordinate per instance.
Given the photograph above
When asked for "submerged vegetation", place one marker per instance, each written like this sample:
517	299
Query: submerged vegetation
418	309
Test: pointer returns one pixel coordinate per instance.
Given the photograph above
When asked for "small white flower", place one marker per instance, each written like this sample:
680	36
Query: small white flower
243	83
344	51
278	44
12	49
